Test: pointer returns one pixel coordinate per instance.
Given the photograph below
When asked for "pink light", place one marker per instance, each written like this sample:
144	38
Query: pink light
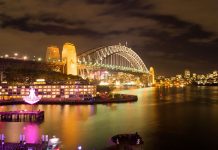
31	132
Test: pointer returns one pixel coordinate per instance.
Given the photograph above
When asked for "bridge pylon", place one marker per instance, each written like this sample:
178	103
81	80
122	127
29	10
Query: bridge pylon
69	57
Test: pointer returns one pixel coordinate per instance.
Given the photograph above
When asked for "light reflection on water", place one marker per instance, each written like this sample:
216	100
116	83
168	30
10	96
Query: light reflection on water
31	132
166	118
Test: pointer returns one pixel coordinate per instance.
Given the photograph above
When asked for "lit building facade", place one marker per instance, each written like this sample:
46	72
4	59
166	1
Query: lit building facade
178	76
152	75
48	91
70	58
210	79
52	54
215	73
187	74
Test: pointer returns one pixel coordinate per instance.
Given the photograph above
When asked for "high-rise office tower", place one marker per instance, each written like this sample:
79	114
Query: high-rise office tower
215	73
152	75
187	74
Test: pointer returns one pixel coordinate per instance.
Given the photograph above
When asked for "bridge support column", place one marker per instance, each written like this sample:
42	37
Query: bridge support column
70	58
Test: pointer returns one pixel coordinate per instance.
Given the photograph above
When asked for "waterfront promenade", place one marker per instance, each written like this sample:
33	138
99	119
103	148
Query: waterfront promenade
116	98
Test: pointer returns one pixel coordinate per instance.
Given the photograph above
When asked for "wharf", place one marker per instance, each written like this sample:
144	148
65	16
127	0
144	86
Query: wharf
117	98
22	116
22	146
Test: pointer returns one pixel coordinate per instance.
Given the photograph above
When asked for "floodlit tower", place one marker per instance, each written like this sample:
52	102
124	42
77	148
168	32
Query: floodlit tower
52	54
215	73
70	58
187	74
152	76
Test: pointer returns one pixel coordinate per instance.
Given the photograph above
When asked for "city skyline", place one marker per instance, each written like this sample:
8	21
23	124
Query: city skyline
165	37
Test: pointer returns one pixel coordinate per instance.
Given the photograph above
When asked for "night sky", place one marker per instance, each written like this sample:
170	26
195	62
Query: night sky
170	35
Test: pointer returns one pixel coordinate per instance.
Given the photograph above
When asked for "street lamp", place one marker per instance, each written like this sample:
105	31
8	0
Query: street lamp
79	147
6	55
15	55
39	59
24	57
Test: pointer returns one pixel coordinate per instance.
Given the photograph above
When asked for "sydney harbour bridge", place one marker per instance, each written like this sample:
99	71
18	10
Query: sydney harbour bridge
98	63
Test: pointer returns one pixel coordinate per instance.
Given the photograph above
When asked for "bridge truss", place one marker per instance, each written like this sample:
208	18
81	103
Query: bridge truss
116	57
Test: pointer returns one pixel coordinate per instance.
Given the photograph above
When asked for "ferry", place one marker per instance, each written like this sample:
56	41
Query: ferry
127	139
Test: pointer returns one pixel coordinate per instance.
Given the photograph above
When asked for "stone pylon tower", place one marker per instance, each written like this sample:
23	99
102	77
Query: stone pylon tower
52	54
70	58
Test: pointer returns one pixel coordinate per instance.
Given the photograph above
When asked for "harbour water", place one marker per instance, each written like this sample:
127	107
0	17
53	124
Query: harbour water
166	118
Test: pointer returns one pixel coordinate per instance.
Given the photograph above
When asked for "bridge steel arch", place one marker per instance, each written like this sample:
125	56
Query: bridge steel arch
116	57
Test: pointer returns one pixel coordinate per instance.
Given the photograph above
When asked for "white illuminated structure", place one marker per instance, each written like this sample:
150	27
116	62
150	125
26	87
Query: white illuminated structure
53	143
32	98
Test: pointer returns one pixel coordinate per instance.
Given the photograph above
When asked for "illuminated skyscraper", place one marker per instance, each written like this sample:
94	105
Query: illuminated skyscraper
152	76
187	74
70	58
52	54
215	74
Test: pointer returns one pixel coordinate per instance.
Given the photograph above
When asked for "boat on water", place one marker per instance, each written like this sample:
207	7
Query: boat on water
53	144
127	139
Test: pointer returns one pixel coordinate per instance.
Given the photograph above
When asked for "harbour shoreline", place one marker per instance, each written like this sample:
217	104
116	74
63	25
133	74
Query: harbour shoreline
63	101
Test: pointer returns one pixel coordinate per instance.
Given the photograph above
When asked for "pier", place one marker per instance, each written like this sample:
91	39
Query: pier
22	145
22	116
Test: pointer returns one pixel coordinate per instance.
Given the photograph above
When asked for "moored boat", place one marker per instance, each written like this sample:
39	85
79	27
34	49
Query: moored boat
127	139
